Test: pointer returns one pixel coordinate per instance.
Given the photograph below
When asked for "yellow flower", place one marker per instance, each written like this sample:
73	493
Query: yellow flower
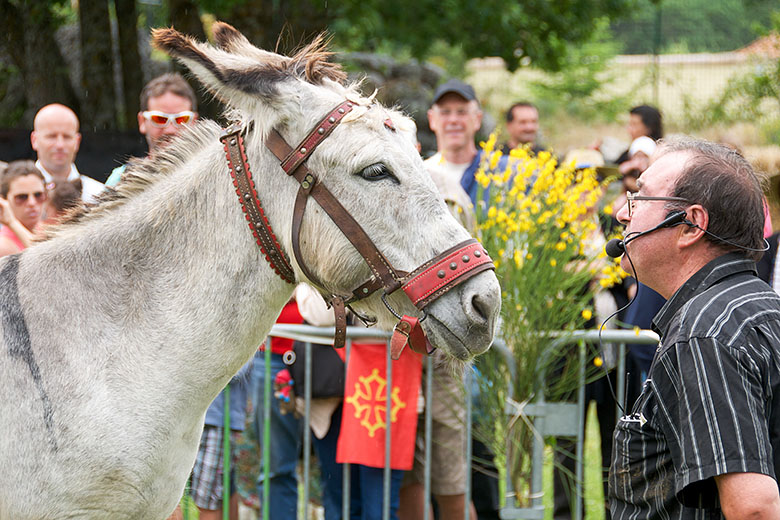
529	256
597	361
553	262
587	314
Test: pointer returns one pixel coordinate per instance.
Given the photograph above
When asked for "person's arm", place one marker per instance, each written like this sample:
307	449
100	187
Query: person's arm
748	496
312	307
7	218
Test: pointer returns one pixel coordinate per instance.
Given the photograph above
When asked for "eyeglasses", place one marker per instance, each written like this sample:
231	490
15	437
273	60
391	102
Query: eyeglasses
631	198
21	198
161	119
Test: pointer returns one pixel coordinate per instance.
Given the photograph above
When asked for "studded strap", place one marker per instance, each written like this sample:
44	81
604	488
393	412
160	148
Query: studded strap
450	268
238	165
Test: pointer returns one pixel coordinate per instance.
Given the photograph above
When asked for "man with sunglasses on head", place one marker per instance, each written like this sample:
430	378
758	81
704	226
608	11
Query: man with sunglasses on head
168	104
703	438
56	138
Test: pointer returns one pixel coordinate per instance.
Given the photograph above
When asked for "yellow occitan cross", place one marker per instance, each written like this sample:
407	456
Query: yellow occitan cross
369	400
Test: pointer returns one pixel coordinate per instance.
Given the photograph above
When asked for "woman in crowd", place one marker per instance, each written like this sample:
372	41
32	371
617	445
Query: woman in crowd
22	195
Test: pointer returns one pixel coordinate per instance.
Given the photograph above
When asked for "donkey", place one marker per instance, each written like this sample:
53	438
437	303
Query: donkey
122	326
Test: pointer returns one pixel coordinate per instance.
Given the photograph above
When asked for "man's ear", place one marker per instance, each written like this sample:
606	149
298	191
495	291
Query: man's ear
692	230
431	120
141	123
33	140
78	142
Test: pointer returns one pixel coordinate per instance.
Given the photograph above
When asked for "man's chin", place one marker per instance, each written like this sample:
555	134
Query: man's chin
625	264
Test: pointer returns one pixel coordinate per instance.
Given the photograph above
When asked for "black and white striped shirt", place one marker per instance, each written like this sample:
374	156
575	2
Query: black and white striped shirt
708	406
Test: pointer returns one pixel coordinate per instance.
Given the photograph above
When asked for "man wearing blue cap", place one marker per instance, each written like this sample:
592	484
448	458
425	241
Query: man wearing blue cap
455	118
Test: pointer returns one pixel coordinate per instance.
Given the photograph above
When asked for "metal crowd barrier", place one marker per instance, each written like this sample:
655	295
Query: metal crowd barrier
550	419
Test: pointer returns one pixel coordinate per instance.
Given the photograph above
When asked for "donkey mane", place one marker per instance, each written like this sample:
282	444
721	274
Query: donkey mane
140	174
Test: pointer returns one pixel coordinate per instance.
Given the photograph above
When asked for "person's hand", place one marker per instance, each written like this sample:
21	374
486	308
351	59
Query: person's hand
6	213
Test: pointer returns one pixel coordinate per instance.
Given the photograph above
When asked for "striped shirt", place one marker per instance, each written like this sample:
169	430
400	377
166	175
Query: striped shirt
707	407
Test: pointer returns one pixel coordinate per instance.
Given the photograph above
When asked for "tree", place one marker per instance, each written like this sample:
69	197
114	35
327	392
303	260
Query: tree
538	29
28	38
693	25
132	79
97	65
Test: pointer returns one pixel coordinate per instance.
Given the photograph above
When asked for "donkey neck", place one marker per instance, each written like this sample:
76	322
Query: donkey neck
173	277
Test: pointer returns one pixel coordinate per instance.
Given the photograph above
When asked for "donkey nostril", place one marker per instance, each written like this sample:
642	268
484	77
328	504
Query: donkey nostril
481	307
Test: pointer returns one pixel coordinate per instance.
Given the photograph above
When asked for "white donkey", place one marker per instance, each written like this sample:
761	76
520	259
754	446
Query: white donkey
121	328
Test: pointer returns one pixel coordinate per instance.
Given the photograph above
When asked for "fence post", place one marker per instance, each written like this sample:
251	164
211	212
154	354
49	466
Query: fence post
226	453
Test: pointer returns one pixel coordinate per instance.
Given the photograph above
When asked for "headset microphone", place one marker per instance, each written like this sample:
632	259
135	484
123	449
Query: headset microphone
617	247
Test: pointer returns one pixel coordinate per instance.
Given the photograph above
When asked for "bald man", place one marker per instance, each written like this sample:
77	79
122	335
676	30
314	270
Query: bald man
56	138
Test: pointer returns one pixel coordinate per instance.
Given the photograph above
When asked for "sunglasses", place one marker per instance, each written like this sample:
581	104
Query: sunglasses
161	119
21	198
631	199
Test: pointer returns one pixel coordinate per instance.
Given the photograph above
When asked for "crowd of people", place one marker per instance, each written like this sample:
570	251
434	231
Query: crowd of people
703	431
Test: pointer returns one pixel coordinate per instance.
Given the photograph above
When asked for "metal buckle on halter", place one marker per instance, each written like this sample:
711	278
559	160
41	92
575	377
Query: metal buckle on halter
233	128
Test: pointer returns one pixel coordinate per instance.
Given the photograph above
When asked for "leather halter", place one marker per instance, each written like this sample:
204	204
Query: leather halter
425	284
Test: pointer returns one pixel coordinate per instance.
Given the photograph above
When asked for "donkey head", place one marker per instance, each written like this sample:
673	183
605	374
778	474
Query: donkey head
369	162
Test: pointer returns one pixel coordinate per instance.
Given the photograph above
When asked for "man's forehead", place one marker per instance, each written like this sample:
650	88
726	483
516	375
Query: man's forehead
525	111
63	122
663	173
169	97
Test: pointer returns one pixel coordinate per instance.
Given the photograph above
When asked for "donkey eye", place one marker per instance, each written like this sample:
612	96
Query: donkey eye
377	172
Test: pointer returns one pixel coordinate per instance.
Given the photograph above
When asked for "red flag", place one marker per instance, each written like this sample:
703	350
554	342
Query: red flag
362	437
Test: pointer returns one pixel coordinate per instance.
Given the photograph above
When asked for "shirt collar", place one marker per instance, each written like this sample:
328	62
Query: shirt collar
72	176
712	273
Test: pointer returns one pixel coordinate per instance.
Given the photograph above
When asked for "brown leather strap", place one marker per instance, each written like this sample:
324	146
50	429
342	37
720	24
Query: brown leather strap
238	165
297	157
298	211
340	314
376	261
409	332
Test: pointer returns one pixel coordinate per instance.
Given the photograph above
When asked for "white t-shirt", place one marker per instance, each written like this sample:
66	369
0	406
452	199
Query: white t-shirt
447	176
90	188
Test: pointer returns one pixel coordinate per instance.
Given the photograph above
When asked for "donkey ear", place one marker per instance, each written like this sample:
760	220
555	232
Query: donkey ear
225	74
229	39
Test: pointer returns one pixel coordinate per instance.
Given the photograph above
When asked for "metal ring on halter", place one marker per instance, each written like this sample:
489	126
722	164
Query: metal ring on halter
289	357
389	308
384	300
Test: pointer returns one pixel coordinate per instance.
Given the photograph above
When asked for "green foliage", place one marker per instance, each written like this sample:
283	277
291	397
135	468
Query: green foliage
578	89
692	25
538	29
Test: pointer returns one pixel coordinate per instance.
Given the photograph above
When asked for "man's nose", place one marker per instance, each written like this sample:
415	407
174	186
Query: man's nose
622	214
